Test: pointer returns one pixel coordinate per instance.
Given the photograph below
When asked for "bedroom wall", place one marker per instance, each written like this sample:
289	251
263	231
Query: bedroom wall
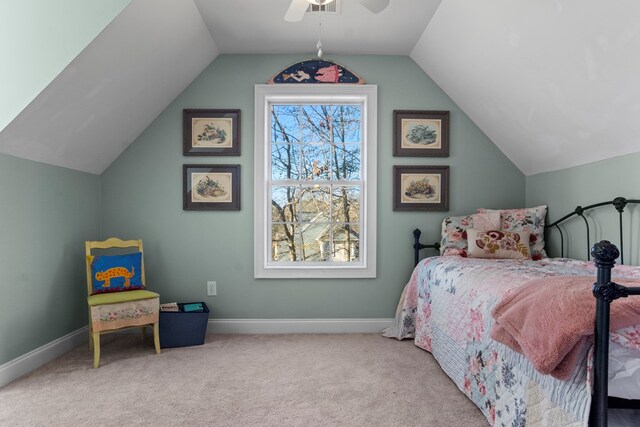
565	189
142	197
46	214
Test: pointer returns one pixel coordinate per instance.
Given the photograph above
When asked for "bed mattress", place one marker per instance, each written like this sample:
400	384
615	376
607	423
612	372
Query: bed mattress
624	372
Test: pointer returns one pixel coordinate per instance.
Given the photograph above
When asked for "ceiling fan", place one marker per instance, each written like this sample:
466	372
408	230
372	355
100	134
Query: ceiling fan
297	8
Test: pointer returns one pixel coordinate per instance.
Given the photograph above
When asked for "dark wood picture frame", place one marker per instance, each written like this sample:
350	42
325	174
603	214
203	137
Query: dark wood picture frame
420	133
421	188
211	132
219	187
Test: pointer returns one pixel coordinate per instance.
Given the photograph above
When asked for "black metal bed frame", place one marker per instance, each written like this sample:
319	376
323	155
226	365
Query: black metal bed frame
605	291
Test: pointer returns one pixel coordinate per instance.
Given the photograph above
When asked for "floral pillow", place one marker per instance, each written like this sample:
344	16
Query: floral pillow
454	231
526	219
498	244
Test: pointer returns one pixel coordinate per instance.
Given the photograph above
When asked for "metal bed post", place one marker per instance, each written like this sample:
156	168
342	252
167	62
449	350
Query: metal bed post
605	291
580	212
620	203
417	246
561	241
604	254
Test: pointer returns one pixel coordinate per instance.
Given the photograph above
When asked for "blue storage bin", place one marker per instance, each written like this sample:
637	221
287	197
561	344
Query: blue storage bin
181	329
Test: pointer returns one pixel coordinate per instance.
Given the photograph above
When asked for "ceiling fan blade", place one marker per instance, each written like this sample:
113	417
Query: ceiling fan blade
375	6
296	10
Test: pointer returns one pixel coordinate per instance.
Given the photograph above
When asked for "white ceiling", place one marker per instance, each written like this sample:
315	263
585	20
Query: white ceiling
553	83
258	26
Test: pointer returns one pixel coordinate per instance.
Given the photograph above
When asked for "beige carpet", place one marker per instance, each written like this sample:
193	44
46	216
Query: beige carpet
242	380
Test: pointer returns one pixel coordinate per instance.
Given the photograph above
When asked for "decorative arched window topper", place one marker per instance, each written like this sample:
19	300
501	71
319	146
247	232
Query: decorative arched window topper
316	71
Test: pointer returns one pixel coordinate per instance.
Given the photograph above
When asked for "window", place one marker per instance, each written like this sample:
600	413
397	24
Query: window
315	181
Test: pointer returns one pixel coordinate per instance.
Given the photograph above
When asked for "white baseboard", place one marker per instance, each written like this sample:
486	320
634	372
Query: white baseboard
296	326
34	359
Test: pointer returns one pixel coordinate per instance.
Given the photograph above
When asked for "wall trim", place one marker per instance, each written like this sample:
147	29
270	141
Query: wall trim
28	362
297	326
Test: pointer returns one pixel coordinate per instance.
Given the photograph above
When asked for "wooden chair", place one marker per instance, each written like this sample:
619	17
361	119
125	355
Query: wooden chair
113	311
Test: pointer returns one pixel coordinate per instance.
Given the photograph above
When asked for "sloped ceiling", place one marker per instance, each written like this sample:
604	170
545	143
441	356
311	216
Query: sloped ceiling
38	38
87	116
554	84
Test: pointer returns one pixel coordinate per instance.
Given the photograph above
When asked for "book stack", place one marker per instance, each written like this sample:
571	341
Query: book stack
169	306
193	308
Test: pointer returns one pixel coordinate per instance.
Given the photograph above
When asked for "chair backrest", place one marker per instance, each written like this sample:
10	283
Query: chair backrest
112	242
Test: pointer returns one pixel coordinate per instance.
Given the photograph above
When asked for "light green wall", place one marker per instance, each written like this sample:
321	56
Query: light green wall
565	189
142	197
38	39
46	214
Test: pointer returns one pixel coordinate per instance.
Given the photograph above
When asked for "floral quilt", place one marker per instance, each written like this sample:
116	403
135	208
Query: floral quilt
446	307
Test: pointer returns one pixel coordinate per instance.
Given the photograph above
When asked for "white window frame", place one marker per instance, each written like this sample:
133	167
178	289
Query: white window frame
267	95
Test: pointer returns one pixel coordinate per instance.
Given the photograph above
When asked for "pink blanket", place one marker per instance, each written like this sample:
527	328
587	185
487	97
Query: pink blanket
550	319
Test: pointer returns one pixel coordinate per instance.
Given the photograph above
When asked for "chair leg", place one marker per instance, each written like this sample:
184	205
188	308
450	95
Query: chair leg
96	349
90	331
144	332
156	337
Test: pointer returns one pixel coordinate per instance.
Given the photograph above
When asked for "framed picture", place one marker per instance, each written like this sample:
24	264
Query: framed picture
211	187
421	133
421	188
211	132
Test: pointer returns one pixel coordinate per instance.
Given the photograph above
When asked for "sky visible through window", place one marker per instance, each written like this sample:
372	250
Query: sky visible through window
315	185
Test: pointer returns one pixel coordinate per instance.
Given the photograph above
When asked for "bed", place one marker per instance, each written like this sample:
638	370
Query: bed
446	307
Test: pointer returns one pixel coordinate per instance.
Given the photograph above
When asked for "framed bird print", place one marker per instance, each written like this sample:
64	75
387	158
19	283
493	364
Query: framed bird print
211	132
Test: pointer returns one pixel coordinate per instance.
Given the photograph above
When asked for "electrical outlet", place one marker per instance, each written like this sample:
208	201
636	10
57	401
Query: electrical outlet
212	289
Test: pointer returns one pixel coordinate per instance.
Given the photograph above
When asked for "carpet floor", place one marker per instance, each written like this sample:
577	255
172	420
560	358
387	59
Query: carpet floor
246	380
242	380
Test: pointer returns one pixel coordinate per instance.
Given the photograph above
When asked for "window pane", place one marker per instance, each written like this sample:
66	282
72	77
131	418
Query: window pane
315	122
347	160
316	162
345	242
314	203
284	206
346	123
285	123
315	239
285	242
285	161
345	204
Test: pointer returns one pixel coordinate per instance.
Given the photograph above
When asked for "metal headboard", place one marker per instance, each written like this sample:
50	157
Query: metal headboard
619	203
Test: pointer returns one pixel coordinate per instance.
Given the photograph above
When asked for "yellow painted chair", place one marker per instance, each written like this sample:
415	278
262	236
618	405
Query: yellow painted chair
117	298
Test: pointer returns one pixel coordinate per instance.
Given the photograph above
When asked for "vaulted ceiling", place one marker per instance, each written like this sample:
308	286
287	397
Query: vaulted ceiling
120	82
553	83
